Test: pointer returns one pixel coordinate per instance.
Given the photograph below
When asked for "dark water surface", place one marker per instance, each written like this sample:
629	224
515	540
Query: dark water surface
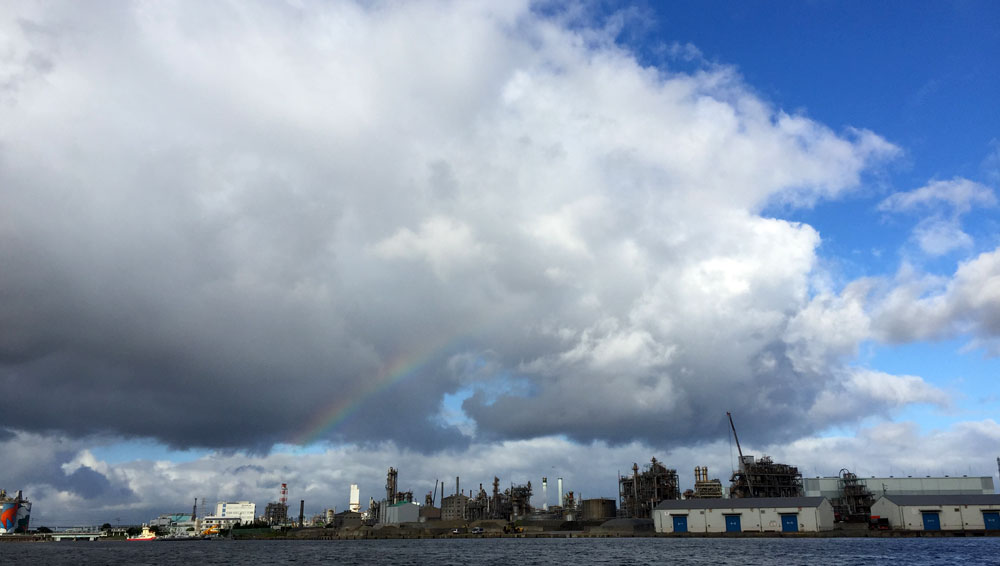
527	552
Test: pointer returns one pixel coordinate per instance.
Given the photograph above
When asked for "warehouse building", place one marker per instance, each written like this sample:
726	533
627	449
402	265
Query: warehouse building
749	514
831	487
939	512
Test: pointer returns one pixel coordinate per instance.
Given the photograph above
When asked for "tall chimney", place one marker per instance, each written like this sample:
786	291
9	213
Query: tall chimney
302	512
545	494
559	482
457	491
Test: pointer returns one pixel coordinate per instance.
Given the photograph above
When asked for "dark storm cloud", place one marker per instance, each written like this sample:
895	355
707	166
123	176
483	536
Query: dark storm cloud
232	228
88	483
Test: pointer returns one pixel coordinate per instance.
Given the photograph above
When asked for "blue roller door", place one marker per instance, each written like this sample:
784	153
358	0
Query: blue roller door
789	523
992	520
733	524
680	524
932	522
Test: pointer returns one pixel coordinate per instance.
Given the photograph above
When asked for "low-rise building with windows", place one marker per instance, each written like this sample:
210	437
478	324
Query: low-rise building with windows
214	524
244	511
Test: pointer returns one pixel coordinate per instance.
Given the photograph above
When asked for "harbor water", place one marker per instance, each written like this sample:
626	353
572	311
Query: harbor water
503	552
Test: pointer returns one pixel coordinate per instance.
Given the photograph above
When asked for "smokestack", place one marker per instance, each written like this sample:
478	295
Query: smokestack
194	510
457	490
442	495
559	483
545	494
302	512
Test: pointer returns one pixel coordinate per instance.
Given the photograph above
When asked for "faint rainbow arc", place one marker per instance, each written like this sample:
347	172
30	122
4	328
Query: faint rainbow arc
394	372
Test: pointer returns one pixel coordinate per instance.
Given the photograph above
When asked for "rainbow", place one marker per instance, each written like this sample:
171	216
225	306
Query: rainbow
396	371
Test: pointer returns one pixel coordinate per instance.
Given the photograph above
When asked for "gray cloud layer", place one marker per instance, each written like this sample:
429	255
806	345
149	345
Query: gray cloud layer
219	221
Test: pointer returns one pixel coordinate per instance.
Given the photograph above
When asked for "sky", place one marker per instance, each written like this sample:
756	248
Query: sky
252	243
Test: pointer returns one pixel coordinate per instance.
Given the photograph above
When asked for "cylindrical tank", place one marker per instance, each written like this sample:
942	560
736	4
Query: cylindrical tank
602	508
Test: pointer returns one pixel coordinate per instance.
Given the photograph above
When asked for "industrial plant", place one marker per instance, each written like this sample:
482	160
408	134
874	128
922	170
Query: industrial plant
762	496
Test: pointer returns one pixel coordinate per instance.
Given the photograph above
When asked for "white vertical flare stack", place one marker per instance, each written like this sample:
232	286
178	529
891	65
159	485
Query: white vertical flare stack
545	494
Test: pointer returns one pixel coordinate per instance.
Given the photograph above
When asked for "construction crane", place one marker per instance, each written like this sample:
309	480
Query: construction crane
740	450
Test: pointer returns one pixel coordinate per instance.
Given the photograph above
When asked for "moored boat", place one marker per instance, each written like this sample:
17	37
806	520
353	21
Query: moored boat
146	534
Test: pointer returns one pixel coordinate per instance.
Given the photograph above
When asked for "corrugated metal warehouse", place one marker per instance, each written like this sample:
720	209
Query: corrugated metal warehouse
830	487
756	514
939	512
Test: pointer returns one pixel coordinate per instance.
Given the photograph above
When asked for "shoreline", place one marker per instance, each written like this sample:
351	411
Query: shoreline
366	535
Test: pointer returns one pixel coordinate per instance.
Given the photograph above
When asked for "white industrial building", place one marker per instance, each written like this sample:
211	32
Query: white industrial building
404	512
939	512
758	514
830	487
355	504
243	511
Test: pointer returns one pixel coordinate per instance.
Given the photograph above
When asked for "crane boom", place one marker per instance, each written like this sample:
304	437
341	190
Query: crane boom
738	449
744	472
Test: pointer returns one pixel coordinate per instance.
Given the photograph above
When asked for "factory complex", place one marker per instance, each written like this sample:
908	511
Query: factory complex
762	496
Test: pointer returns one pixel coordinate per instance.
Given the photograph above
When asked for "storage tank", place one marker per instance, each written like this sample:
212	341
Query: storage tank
602	508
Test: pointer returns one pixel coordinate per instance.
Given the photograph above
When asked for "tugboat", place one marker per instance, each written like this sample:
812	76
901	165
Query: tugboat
146	534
